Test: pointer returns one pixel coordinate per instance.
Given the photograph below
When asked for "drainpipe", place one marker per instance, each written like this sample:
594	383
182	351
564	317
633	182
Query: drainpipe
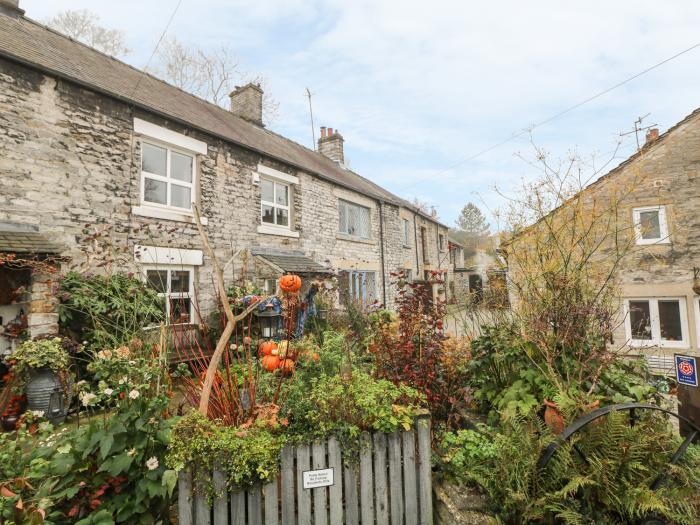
381	248
415	242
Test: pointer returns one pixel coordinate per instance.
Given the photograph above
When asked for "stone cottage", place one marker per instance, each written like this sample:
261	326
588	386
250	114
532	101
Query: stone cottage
88	141
656	195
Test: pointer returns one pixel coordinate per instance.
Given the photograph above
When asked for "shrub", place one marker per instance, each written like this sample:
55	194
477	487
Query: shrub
612	488
43	353
246	455
108	469
107	311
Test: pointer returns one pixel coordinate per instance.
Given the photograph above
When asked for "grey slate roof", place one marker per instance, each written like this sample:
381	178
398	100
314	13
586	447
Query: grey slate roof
25	239
290	261
30	43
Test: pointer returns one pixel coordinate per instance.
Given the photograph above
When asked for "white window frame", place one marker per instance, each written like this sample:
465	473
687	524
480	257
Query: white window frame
663	225
168	295
169	148
347	204
696	317
275	206
656	340
270	285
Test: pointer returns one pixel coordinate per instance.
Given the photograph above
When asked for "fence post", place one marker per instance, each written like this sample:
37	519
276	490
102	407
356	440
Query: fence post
184	498
318	454
395	479
303	496
381	491
410	489
335	492
366	483
220	498
287	480
425	492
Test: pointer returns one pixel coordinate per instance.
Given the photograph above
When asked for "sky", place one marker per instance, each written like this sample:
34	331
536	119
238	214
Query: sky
417	87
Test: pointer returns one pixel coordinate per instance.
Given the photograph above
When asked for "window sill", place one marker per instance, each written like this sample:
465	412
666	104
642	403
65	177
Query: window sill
659	344
276	230
353	238
653	242
169	215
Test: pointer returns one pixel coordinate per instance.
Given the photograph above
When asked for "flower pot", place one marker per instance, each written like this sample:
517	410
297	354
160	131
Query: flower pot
47	393
553	417
9	423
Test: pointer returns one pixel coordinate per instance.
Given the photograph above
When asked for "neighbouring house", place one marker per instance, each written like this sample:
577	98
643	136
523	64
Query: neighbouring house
477	273
87	141
658	189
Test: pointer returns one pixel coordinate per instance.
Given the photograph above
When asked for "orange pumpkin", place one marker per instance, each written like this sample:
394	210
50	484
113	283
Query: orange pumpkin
270	363
315	357
290	283
266	347
287	366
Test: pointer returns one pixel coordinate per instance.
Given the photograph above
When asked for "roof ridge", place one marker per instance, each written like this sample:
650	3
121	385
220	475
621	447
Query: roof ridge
138	70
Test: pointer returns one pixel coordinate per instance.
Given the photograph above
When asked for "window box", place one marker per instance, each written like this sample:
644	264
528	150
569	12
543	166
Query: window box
650	226
658	322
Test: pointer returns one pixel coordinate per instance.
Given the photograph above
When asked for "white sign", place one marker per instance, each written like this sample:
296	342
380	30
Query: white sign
313	479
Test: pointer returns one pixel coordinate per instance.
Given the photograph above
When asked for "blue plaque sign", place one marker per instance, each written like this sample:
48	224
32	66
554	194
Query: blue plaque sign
686	370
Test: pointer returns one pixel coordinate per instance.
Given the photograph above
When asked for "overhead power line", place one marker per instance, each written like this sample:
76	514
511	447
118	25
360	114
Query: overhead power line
155	48
529	129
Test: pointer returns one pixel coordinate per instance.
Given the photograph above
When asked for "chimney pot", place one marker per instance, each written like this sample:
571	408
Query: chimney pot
11	8
652	135
331	145
246	102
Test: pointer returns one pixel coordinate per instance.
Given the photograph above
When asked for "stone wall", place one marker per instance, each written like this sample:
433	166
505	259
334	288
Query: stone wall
70	163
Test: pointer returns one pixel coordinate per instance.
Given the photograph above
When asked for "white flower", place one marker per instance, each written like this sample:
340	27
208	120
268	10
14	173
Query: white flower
152	463
131	453
134	394
87	398
108	391
37	413
122	380
81	382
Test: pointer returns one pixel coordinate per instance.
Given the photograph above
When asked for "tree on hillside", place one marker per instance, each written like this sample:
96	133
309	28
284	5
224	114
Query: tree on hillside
210	75
83	25
472	221
471	225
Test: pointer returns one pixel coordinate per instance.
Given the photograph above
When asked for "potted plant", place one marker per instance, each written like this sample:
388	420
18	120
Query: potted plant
43	366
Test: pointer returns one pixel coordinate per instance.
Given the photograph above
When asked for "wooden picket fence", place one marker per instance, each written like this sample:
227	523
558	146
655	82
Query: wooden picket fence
391	485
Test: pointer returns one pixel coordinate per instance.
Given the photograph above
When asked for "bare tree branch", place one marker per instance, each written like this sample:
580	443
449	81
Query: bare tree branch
83	25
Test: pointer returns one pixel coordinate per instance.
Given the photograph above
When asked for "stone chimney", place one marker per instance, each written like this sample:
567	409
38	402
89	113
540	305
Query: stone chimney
652	135
331	145
246	102
11	8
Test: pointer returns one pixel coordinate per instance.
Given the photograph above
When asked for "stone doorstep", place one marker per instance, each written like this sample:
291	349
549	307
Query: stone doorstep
460	505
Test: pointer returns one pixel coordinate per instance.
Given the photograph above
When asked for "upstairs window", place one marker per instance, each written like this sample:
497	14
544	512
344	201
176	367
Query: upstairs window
274	202
354	219
406	232
650	225
656	322
167	177
441	242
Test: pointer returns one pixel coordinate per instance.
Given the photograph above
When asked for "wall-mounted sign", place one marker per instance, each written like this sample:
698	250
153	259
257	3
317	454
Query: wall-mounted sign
686	370
313	479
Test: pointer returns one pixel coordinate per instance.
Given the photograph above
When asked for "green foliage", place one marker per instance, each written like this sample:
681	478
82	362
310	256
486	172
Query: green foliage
48	353
508	380
245	455
108	469
107	311
349	405
611	488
